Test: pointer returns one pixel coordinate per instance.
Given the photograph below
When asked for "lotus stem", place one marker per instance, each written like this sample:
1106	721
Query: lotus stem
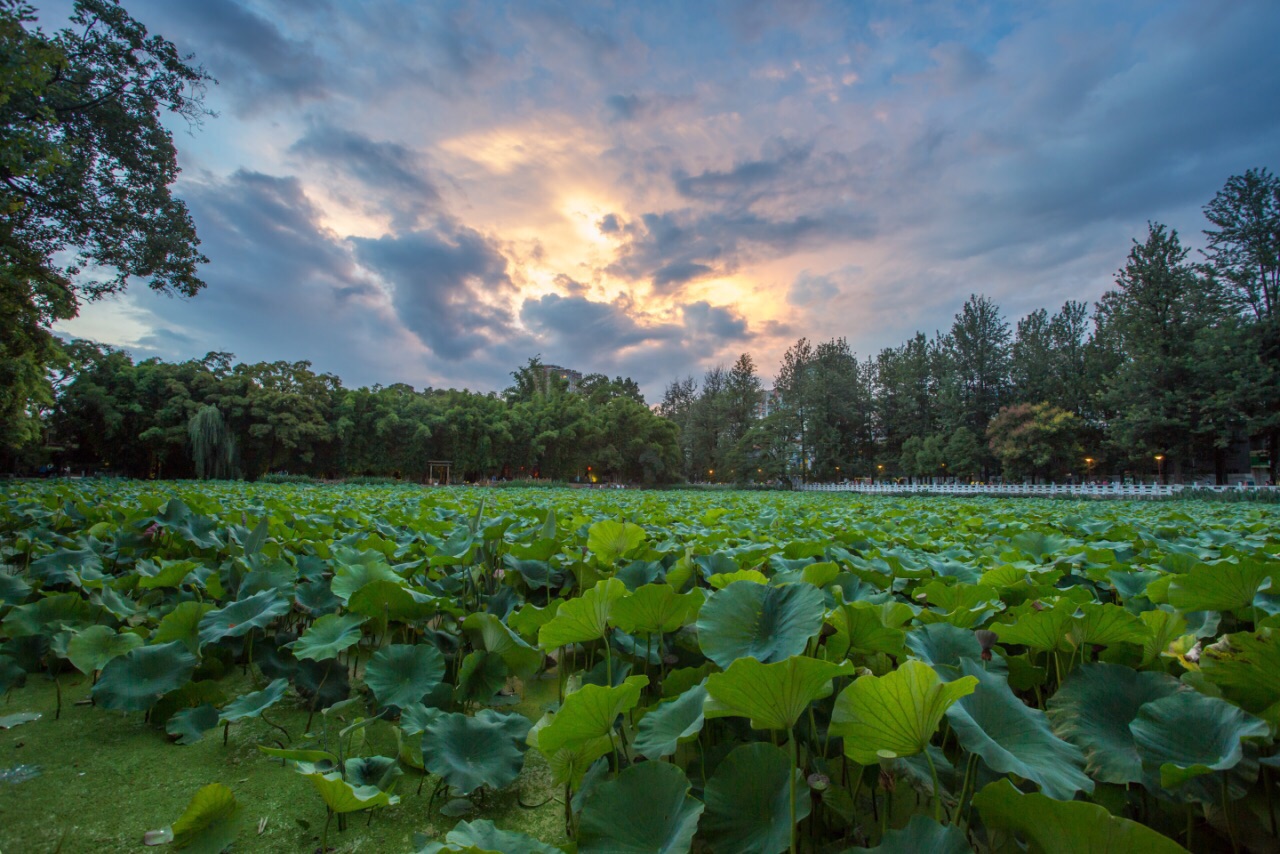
937	790
226	731
1271	807
1226	816
272	723
324	837
791	743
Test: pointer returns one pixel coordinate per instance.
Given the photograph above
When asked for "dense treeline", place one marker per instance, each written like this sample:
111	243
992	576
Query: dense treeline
1175	366
212	418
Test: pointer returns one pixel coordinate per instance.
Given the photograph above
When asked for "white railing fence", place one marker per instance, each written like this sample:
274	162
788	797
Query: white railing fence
1091	490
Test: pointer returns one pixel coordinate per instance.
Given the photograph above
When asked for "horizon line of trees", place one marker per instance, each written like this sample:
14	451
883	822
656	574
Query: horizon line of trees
210	418
1172	368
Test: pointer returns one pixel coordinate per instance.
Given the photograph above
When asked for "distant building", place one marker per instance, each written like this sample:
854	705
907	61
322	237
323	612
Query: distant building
570	376
768	402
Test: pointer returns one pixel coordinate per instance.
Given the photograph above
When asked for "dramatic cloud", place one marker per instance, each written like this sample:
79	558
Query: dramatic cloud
433	193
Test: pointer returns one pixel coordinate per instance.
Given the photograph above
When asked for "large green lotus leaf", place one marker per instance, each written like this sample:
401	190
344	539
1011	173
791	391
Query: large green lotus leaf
391	600
496	637
895	714
133	682
860	629
1093	710
402	674
208	825
202	692
536	573
163	573
1105	624
187	726
766	623
11	674
1246	669
647	809
664	727
327	637
50	615
528	619
569	764
942	645
722	580
481	675
921	834
1040	546
483	835
589	713
470	752
254	703
380	772
610	540
93	647
656	609
585	618
1222	586
13	590
773	696
1187	734
1066	827
1014	739
1165	627
198	530
243	616
1040	630
182	624
66	566
356	569
748	801
342	797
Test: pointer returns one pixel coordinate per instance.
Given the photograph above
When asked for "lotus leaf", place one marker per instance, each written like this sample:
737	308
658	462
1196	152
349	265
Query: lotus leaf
242	616
772	696
1223	586
483	835
189	725
610	540
589	713
1066	827
342	797
748	801
402	674
923	834
254	703
647	809
656	609
133	682
182	624
470	752
1093	710
664	727
93	647
895	714
583	619
1014	739
208	825
1246	669
520	658
1186	734
380	772
752	620
327	637
481	675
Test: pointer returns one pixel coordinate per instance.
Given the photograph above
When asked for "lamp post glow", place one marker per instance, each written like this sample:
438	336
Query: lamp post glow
1160	467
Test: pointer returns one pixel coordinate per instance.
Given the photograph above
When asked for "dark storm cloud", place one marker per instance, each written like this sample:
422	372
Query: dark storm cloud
391	173
441	283
258	63
279	285
594	336
747	179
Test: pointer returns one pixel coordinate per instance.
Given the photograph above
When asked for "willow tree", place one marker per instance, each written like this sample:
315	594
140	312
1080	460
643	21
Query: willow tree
213	448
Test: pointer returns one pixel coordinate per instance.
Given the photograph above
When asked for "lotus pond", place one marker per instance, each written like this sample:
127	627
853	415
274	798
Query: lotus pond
281	668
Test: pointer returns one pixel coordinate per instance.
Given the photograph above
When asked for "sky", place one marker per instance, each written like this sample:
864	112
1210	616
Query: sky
432	193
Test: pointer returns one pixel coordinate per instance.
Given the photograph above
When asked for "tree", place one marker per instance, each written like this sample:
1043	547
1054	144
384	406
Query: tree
964	453
213	448
1156	314
85	174
1035	439
980	364
1243	255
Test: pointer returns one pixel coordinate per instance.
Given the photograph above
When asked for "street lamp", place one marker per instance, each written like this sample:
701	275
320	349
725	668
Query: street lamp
1088	468
1160	467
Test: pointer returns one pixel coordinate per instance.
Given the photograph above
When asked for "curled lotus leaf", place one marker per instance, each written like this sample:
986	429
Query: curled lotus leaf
133	682
243	616
752	620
